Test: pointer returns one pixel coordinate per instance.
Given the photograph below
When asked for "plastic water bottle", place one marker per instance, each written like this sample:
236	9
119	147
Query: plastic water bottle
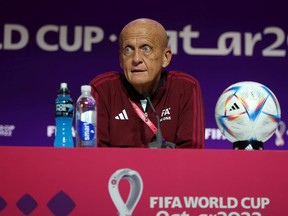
86	113
64	113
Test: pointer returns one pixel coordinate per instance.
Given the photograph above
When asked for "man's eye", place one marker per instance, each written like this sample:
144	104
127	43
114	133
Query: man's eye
127	49
146	48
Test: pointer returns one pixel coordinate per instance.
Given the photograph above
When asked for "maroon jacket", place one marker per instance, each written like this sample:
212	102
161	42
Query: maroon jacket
178	102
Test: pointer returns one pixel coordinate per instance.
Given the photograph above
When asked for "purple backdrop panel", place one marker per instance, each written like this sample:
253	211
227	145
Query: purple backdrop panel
45	43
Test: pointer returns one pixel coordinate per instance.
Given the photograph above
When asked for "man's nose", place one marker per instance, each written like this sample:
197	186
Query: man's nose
137	56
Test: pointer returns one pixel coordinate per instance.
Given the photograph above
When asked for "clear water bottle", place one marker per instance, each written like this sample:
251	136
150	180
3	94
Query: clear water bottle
86	112
64	113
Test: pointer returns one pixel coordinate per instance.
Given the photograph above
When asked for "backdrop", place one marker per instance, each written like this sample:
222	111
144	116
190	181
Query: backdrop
44	43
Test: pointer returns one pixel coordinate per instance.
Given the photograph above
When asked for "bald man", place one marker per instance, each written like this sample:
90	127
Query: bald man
125	117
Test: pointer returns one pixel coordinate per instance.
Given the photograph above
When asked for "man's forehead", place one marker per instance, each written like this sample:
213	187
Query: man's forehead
140	34
139	39
144	32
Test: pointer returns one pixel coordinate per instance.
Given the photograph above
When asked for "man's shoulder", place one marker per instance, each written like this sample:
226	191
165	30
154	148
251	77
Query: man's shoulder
182	76
111	76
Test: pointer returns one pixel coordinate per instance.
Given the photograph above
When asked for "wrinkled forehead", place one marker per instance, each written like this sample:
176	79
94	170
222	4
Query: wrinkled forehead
140	33
149	31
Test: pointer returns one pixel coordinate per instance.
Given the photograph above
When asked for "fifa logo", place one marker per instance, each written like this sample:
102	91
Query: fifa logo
280	131
165	112
136	188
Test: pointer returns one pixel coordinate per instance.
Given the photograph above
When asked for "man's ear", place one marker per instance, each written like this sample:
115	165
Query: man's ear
167	57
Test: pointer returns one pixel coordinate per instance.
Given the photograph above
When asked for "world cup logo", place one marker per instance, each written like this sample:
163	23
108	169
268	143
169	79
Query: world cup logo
136	188
280	131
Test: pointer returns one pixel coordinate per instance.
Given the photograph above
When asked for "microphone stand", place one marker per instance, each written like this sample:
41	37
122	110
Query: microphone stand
160	142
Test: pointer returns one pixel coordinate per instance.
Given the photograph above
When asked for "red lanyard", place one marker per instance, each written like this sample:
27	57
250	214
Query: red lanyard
144	117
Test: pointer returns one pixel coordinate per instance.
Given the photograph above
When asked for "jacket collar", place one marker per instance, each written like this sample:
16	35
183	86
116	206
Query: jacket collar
136	97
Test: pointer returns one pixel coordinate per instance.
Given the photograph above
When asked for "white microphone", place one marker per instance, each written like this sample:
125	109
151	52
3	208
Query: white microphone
160	142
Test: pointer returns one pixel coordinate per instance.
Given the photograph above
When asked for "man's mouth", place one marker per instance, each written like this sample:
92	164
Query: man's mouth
137	71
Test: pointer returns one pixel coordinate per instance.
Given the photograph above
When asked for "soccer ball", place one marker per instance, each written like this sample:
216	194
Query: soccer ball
247	111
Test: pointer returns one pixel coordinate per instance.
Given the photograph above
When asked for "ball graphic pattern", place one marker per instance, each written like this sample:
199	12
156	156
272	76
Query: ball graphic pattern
247	111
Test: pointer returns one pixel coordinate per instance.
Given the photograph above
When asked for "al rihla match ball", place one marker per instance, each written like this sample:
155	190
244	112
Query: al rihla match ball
247	111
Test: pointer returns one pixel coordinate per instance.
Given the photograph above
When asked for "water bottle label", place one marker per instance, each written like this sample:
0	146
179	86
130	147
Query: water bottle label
64	109
86	128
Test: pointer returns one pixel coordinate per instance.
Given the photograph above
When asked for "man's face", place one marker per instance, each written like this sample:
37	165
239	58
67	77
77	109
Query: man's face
142	56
